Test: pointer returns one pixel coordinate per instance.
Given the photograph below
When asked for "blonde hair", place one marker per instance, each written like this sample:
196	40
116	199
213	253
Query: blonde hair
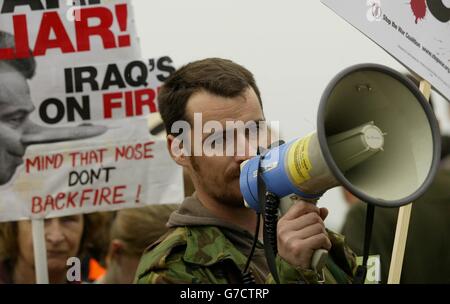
140	227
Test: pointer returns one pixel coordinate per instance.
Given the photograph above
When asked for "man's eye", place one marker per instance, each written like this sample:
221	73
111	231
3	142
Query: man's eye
16	121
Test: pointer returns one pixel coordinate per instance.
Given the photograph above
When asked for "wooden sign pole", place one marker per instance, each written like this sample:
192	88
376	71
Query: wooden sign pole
40	251
404	214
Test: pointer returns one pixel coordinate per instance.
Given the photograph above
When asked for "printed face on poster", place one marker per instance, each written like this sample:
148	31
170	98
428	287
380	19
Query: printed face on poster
415	32
75	95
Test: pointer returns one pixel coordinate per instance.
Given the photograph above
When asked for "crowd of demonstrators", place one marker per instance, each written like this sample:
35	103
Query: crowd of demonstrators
208	238
108	244
65	237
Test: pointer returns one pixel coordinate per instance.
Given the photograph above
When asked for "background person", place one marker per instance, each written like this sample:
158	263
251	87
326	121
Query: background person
132	231
69	236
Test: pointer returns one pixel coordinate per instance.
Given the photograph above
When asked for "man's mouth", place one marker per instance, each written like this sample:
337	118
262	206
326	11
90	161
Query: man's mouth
17	153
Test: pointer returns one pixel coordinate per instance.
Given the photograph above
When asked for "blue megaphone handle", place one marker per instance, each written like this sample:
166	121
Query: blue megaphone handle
274	175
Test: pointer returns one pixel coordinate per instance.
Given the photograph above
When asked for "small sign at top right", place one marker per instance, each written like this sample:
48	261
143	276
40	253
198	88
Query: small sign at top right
415	32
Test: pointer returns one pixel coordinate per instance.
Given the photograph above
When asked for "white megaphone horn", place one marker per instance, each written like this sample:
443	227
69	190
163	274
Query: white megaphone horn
376	136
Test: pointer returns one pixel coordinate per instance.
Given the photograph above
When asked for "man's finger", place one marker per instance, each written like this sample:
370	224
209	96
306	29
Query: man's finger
310	231
301	222
318	241
323	213
300	208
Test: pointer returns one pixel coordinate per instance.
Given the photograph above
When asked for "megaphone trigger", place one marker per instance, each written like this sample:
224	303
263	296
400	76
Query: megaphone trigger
319	259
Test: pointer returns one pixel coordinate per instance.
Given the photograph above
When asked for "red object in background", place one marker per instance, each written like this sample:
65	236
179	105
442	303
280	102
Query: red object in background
53	34
96	271
122	18
419	8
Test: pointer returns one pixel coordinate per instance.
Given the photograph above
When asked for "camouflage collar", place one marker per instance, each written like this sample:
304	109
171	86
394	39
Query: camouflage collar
207	245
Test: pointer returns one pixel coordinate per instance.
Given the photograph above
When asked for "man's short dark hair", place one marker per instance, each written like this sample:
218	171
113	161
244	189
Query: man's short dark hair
217	76
25	66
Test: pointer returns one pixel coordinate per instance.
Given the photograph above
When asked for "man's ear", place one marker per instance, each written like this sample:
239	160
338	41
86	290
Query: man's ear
116	248
177	150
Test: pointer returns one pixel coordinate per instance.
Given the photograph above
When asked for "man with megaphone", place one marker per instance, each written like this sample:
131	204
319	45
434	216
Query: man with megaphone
17	131
211	235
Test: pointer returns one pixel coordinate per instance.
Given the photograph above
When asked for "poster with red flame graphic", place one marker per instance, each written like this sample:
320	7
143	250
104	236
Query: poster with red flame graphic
415	32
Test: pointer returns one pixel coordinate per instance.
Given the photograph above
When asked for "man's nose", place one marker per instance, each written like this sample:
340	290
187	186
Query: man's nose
53	231
36	134
15	146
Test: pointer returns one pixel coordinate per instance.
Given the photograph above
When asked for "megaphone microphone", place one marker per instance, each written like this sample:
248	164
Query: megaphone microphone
289	166
297	167
376	136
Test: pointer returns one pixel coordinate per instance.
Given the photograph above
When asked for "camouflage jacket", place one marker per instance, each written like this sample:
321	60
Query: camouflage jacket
212	254
204	255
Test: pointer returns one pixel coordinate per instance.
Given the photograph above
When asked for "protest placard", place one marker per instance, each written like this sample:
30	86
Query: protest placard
415	32
74	97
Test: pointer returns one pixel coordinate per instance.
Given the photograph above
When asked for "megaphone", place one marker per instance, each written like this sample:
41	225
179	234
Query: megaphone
376	136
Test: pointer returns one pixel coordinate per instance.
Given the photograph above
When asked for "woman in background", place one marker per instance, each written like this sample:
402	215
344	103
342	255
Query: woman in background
66	237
